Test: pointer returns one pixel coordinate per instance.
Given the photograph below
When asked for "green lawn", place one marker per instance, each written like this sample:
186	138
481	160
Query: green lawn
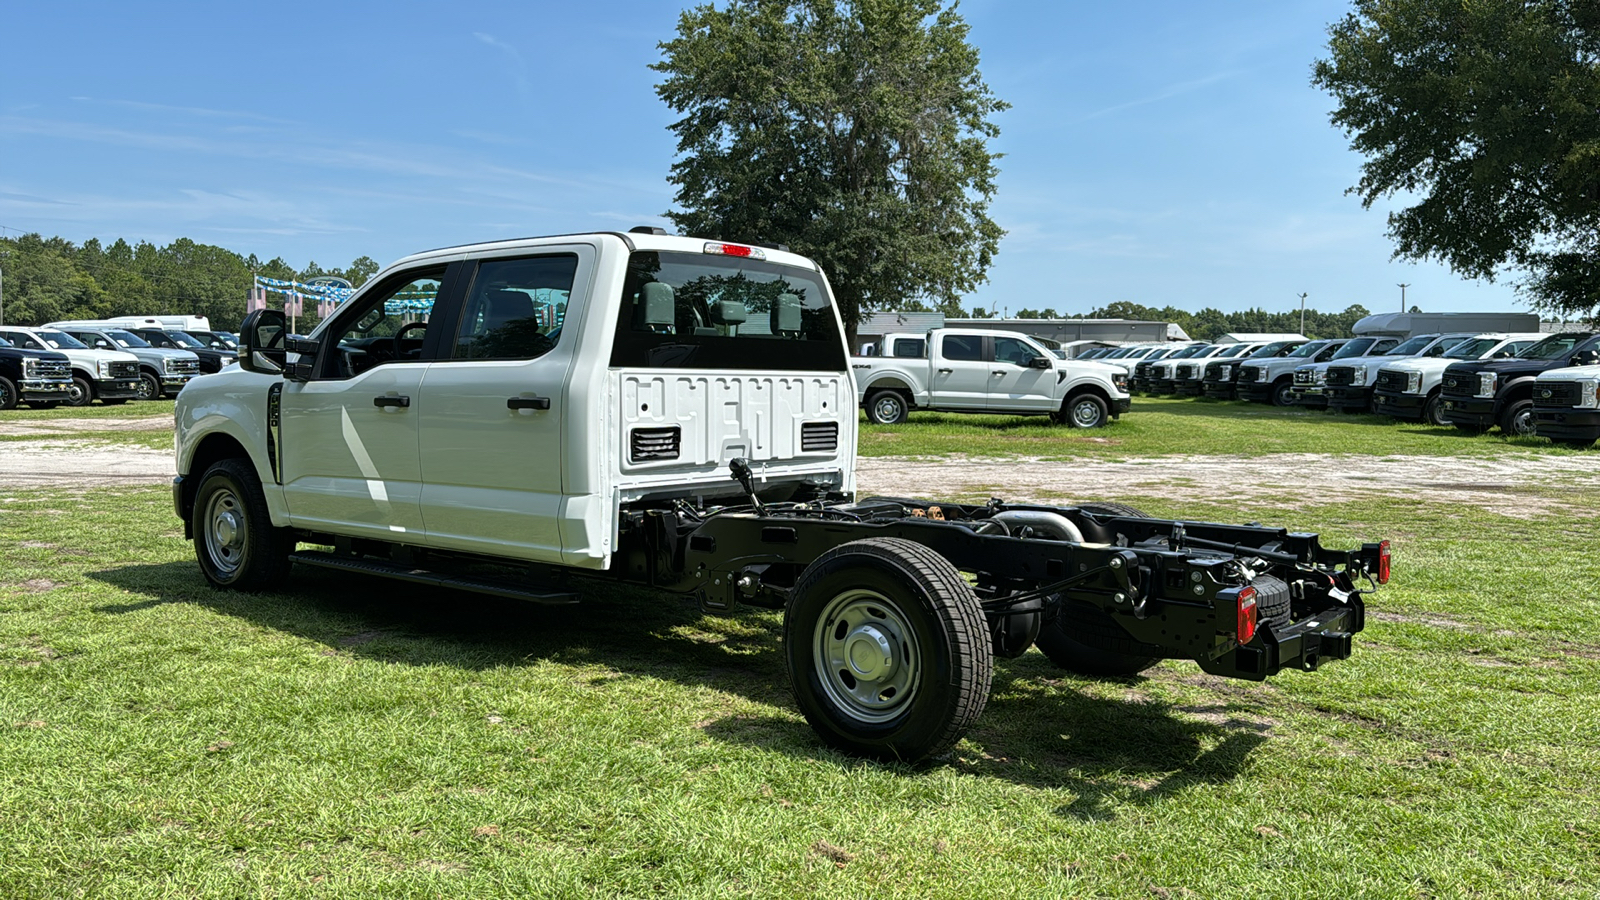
1164	426
355	738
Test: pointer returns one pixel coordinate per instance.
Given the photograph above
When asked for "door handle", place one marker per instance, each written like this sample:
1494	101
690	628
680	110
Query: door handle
946	371
528	403
391	401
998	372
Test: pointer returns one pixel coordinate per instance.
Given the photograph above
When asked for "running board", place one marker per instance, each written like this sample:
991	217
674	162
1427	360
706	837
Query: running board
414	575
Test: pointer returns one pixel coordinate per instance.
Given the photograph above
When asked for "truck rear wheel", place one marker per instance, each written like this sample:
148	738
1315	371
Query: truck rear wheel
234	539
887	649
887	407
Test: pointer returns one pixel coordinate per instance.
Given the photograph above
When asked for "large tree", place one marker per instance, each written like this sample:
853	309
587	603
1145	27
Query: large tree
1485	113
853	131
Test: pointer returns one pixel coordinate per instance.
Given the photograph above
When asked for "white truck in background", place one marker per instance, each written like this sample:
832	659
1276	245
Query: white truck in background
975	371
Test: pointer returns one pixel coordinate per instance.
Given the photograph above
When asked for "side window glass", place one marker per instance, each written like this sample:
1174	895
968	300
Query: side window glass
516	308
962	347
909	348
1013	351
1383	346
387	325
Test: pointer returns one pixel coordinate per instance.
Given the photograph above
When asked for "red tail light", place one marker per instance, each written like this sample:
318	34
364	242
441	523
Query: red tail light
1383	562
1247	614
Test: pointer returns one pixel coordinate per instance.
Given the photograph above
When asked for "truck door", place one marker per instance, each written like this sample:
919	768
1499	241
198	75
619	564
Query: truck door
349	433
1013	382
960	377
492	427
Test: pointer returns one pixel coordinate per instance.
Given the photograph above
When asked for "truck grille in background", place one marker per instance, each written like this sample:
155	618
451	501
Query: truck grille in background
819	436
183	366
1460	385
1213	372
654	443
1142	370
124	370
1249	374
1556	393
1341	375
1305	378
52	368
1390	381
1188	372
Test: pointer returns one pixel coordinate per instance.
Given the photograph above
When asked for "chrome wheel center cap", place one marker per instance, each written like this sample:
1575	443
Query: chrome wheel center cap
870	653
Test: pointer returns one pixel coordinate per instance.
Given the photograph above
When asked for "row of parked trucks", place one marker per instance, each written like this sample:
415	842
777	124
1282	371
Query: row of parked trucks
1522	382
74	363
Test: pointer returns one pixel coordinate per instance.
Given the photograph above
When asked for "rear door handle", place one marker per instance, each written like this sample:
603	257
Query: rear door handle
398	402
946	371
528	403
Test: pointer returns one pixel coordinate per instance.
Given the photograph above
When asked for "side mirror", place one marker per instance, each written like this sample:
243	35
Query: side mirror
102	344
1590	357
261	342
1039	362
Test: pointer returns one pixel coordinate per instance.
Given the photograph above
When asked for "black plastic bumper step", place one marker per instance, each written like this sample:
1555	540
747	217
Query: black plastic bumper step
414	575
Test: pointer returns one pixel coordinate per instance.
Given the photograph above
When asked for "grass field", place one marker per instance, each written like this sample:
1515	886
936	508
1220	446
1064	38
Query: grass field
352	738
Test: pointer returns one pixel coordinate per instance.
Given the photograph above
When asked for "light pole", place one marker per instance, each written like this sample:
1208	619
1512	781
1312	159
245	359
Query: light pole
3	255
1303	313
1403	296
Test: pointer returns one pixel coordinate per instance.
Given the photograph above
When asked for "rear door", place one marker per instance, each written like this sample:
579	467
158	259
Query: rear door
960	377
492	423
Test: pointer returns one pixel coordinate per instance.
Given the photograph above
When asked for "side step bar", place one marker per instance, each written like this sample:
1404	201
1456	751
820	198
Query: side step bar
414	575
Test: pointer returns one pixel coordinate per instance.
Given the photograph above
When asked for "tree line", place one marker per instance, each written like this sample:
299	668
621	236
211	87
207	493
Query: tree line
1210	323
51	279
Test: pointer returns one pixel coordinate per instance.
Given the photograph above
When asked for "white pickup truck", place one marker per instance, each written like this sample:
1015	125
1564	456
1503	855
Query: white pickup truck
678	415
974	371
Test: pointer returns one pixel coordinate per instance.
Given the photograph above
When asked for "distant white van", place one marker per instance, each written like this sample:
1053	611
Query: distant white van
181	323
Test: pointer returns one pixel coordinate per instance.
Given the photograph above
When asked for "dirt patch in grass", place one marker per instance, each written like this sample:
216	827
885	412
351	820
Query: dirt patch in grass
64	427
1523	486
49	463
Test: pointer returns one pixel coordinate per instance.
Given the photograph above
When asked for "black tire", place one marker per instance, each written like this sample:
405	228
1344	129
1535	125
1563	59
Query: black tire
45	404
1433	410
1085	411
936	662
1518	419
81	393
149	387
887	407
234	539
1282	392
8	393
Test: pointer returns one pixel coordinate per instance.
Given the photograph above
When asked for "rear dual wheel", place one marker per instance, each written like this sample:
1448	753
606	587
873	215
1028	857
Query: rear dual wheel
887	649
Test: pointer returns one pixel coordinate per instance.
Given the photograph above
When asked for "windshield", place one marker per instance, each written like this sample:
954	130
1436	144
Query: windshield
1553	347
1187	352
57	340
1357	347
1471	348
217	340
1308	350
1271	350
1413	346
183	340
127	339
705	311
4	342
1233	351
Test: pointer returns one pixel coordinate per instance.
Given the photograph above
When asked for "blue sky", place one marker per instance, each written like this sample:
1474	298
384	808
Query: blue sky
1158	152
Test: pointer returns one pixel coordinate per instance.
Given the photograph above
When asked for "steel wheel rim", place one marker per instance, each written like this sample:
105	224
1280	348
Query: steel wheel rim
76	395
1085	414
887	409
148	391
226	531
866	656
1522	423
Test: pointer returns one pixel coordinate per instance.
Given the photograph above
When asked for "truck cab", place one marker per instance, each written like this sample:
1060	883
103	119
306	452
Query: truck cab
40	378
1409	388
110	376
162	371
1481	394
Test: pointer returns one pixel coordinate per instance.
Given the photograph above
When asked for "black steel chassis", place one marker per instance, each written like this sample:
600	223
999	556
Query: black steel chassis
1169	584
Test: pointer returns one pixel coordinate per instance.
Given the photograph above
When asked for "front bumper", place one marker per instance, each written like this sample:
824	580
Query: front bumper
1188	388
1221	390
1256	392
1310	395
1566	423
1348	397
1164	386
1121	405
1400	406
1478	411
117	389
172	384
43	391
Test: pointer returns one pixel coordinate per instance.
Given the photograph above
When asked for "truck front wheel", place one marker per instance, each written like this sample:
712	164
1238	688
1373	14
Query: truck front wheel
149	386
81	392
1283	392
887	407
1433	411
887	649
1519	419
234	539
1086	411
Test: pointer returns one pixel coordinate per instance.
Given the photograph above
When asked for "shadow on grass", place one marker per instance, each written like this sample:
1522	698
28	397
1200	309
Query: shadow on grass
1037	729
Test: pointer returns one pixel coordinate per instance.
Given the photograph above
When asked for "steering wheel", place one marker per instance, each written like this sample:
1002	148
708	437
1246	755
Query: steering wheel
400	353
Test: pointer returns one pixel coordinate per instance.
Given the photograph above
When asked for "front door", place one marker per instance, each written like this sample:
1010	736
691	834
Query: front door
349	434
491	426
1015	384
